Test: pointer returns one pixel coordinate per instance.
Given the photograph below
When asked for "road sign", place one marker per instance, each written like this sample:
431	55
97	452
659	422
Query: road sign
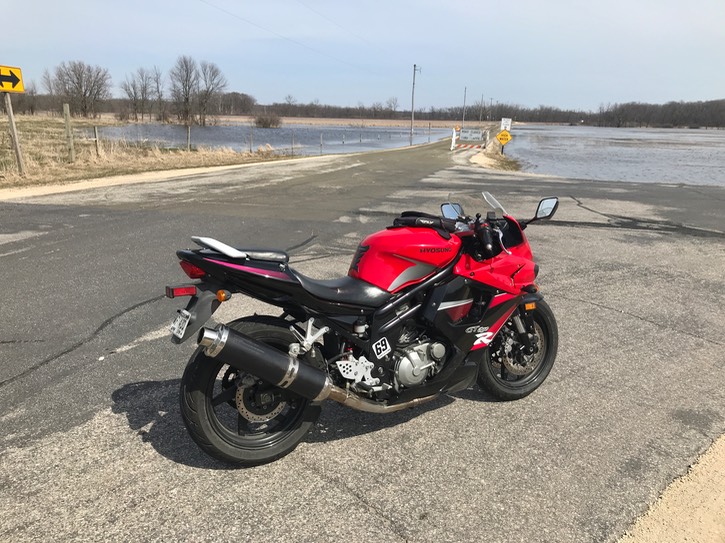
505	123
11	79
503	137
471	134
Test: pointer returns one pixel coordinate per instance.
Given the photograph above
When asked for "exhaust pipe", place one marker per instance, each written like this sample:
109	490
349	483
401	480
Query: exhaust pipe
285	371
252	356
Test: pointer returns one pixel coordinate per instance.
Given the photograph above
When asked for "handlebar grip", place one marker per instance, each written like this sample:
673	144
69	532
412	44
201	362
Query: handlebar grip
487	238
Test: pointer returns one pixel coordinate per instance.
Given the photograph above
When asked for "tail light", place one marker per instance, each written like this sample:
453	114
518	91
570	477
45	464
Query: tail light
182	290
193	271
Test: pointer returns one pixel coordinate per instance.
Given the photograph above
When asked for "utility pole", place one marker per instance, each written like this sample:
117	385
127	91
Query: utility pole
490	111
463	123
412	104
480	113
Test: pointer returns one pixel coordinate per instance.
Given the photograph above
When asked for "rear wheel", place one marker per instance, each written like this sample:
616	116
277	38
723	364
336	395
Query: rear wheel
236	417
506	372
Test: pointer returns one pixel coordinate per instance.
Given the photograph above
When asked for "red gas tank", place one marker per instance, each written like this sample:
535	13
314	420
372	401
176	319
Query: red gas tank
395	258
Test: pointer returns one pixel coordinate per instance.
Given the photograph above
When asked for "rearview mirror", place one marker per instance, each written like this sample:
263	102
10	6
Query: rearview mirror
451	211
547	208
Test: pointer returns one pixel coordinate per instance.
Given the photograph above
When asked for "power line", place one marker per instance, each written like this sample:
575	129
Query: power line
287	38
338	25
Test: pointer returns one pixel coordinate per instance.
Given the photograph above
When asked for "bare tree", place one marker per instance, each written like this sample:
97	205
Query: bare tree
47	81
392	104
212	83
81	85
144	82
130	87
291	103
28	101
184	77
157	90
236	103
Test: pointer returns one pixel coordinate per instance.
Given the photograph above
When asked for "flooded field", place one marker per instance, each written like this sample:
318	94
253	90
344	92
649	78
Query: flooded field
298	139
648	155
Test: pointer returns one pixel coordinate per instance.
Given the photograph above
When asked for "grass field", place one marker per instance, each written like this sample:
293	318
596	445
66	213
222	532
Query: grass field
46	155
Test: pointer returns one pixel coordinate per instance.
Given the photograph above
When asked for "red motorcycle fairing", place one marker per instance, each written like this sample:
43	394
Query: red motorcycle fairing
507	272
397	258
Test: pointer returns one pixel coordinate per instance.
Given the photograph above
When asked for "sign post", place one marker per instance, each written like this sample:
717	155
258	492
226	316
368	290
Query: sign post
11	80
503	138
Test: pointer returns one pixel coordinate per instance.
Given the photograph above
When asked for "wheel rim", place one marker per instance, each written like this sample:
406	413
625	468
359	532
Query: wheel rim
267	414
508	371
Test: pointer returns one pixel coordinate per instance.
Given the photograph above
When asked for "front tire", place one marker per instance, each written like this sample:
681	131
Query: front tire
503	375
236	417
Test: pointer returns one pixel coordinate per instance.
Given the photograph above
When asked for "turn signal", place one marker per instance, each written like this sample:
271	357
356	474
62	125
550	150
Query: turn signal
223	295
530	306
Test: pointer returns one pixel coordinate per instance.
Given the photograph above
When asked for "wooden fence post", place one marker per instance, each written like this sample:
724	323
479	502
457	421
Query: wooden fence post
14	134
98	147
69	133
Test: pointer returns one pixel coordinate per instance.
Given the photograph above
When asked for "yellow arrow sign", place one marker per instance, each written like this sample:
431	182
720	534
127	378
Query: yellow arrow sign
504	137
11	79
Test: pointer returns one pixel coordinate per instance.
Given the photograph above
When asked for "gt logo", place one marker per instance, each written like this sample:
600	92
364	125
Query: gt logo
483	338
381	347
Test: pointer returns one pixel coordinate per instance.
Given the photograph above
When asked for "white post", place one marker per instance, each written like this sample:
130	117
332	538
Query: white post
453	140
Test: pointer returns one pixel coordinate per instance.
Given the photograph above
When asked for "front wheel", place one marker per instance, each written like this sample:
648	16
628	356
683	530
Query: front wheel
236	417
506	372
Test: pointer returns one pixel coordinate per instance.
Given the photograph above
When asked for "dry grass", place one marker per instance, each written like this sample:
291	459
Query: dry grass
45	153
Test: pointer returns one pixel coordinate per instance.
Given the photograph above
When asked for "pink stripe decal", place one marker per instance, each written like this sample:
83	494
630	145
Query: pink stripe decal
256	271
502	298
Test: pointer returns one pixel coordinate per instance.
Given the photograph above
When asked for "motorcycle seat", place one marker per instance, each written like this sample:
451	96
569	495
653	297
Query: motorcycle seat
345	290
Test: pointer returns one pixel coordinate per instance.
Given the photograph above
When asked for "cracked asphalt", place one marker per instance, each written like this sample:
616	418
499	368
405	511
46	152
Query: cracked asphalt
92	447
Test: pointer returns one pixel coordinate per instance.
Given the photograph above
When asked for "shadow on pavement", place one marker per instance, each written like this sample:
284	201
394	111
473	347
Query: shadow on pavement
152	410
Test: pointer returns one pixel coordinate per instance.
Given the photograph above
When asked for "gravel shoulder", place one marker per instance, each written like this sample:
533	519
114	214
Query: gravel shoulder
692	508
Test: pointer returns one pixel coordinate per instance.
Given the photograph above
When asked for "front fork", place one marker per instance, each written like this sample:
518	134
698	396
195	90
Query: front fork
524	324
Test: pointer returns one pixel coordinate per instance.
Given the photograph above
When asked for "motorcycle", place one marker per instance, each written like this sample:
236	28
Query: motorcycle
430	306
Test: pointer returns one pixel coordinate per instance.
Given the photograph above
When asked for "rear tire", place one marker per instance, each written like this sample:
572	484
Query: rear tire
522	380
236	417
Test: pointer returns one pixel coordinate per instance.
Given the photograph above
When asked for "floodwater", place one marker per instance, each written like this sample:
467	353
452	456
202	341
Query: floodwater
290	139
648	155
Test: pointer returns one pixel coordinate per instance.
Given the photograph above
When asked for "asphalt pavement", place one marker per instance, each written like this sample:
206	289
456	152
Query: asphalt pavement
92	446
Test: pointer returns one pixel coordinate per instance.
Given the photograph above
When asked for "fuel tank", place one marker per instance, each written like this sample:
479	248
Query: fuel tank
396	258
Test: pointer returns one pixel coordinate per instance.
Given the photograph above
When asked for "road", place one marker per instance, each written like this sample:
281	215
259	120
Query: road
92	446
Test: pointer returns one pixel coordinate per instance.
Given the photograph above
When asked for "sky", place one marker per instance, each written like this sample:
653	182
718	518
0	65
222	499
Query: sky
570	54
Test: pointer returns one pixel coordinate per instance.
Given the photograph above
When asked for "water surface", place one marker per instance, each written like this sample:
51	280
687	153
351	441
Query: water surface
291	139
621	154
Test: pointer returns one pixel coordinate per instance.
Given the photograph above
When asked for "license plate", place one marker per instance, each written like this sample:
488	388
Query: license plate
178	327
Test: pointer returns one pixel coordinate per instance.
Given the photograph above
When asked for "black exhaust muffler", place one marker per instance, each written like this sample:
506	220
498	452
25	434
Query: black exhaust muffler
251	356
285	371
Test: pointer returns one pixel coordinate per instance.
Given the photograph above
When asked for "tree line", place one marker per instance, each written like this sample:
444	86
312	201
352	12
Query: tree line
191	92
196	92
